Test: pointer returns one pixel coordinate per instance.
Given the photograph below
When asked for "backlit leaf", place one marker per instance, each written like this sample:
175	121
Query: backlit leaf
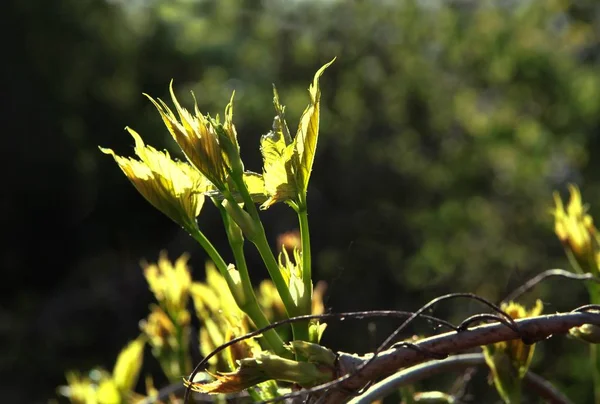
308	131
279	179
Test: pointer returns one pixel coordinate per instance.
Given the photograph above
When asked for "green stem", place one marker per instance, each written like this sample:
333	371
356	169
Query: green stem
300	330
250	305
248	202
259	239
182	353
274	271
306	259
594	291
210	250
595	362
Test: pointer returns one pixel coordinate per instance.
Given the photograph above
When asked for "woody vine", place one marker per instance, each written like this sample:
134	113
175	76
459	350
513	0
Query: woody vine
263	345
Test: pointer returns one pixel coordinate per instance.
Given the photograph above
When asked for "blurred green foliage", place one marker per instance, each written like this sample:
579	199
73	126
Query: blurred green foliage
446	126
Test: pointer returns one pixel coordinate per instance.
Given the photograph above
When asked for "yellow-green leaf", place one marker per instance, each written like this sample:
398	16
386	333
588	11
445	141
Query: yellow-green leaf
256	186
196	137
254	183
308	131
279	173
128	365
296	287
107	393
173	187
316	330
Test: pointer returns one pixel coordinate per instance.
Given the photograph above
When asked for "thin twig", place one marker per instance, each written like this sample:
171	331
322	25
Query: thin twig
530	284
478	318
422	371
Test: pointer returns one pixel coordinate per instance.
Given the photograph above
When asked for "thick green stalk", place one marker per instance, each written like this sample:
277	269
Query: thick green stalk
248	202
250	306
210	250
259	239
274	341
306	306
266	254
300	330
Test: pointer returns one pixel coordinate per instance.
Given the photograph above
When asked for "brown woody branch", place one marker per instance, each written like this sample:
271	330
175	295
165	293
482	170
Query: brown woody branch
391	360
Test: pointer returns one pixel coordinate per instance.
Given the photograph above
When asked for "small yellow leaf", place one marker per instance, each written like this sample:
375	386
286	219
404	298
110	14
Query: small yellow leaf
79	389
270	301
170	282
158	328
316	330
129	363
107	393
575	229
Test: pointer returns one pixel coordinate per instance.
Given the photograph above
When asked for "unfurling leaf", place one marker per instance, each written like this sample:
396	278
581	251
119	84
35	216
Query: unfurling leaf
197	137
308	131
287	162
316	330
279	172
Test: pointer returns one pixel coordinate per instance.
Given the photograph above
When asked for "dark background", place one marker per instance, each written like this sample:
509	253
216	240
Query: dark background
446	126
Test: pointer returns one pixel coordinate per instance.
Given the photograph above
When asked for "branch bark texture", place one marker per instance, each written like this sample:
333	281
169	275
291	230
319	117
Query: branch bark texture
390	361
